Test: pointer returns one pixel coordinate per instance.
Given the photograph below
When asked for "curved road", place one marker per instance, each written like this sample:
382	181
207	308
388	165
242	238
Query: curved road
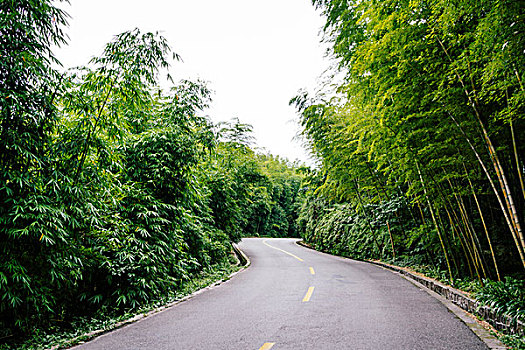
295	298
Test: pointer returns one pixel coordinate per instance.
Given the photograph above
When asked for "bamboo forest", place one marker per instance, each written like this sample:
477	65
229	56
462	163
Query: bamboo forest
119	194
421	144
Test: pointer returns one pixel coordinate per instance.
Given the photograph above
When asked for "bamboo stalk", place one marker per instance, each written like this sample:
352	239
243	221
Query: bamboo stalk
464	236
391	240
496	192
516	159
484	224
507	195
452	255
468	227
429	256
467	257
502	179
374	238
421	212
435	222
472	234
92	131
461	234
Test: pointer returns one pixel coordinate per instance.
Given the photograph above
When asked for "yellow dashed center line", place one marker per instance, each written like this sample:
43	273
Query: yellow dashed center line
266	346
308	294
284	251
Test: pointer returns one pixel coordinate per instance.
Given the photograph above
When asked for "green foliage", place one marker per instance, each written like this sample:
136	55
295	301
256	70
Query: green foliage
505	297
514	342
114	193
70	334
421	146
27	115
249	193
429	120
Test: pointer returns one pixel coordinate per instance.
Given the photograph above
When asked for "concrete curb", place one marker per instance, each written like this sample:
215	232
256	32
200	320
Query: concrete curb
243	258
456	301
244	262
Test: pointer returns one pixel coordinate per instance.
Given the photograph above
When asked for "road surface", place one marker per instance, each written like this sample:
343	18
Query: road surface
296	298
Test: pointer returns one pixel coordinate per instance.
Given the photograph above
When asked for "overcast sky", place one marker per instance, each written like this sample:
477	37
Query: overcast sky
256	55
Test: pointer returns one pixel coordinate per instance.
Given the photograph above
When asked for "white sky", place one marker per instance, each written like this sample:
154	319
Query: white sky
255	54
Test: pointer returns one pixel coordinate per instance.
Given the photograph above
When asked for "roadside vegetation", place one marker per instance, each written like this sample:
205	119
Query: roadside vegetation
116	195
421	145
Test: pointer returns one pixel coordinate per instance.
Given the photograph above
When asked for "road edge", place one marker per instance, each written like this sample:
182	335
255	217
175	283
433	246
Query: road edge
466	317
244	262
243	258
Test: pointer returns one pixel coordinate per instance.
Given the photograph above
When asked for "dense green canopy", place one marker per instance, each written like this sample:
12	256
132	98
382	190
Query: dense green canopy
114	192
422	145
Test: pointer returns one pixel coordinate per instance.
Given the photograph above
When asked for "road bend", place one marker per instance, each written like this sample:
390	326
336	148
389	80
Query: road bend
296	298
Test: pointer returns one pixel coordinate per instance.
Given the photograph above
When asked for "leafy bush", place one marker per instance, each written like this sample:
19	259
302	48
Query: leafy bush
506	297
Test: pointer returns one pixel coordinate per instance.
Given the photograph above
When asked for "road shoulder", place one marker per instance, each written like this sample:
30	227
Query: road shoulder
243	263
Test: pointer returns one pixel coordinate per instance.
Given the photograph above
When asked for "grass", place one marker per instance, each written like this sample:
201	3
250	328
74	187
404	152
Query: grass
512	341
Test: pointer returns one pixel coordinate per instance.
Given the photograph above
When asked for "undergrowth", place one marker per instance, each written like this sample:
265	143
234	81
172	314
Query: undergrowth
512	341
65	335
505	297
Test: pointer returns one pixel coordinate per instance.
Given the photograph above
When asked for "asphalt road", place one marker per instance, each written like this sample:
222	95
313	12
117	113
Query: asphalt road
295	298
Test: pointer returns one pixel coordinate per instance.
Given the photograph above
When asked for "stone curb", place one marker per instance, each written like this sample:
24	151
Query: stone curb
244	261
455	300
469	320
498	321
